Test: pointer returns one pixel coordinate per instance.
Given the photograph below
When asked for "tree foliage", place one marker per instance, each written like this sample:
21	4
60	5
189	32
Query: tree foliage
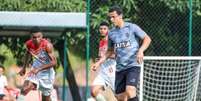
43	5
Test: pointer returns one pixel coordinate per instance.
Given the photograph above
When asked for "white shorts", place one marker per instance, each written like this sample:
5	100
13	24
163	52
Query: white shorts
106	75
45	85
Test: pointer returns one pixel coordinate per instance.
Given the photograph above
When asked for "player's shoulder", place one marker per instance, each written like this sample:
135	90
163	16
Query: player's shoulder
47	44
132	25
28	42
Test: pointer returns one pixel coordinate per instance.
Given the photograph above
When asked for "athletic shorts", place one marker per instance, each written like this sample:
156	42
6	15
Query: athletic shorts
126	77
45	85
106	75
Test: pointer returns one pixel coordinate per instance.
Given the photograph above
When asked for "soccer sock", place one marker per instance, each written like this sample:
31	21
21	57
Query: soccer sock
21	98
133	99
100	97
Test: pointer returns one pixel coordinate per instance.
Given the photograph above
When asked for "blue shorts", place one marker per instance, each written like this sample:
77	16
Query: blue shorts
128	76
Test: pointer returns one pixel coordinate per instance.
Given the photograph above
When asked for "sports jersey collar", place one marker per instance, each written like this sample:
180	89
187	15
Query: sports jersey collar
126	24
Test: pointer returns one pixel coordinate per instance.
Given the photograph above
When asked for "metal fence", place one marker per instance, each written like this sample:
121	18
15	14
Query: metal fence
172	25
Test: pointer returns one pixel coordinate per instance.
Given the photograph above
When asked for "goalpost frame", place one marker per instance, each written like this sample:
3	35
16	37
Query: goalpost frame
169	58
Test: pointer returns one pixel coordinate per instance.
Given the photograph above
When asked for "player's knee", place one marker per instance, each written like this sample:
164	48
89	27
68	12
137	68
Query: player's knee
131	92
25	90
94	91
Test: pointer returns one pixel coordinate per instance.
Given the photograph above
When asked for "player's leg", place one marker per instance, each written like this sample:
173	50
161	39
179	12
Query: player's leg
131	83
27	87
46	98
120	85
96	89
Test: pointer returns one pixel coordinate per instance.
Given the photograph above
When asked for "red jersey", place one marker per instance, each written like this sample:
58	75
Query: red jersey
35	49
103	46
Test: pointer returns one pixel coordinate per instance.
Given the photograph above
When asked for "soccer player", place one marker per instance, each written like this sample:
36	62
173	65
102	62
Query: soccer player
3	84
42	74
129	42
106	74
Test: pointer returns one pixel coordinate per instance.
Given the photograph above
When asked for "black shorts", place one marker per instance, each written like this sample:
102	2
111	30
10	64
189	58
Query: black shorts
128	76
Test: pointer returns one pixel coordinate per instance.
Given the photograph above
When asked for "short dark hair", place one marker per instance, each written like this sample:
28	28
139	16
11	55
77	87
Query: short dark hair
117	9
35	30
1	66
104	24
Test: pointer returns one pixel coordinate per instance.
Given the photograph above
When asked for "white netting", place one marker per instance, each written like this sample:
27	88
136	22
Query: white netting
170	79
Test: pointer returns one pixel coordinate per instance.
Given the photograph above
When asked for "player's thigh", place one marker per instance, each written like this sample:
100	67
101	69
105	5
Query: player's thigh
132	79
132	76
96	89
29	85
46	98
120	82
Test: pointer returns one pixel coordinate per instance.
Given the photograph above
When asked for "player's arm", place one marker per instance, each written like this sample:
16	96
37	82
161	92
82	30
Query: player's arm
109	53
26	60
145	44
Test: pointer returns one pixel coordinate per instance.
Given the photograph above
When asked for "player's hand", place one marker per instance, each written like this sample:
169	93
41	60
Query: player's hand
94	66
33	72
140	56
22	72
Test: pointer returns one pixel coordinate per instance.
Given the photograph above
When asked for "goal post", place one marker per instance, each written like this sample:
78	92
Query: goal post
170	78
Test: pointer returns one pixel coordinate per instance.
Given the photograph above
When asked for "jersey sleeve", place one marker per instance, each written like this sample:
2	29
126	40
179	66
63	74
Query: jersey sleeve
138	31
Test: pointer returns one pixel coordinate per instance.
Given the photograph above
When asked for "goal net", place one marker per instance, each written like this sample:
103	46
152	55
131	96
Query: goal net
170	79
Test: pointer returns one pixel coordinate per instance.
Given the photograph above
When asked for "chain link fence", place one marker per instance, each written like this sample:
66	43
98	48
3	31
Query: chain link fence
166	22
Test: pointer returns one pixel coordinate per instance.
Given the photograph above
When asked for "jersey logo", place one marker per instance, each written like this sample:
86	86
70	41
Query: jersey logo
123	44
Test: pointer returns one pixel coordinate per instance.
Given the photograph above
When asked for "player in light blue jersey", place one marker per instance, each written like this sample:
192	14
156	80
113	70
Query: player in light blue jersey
125	40
42	73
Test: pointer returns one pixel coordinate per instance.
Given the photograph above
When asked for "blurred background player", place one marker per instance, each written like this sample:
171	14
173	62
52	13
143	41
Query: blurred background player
42	73
6	93
106	74
3	85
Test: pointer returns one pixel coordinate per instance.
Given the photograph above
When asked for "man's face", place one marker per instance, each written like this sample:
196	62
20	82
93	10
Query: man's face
36	37
1	71
115	18
103	30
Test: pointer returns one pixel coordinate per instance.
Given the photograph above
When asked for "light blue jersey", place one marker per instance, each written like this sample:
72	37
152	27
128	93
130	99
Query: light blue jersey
43	59
125	41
